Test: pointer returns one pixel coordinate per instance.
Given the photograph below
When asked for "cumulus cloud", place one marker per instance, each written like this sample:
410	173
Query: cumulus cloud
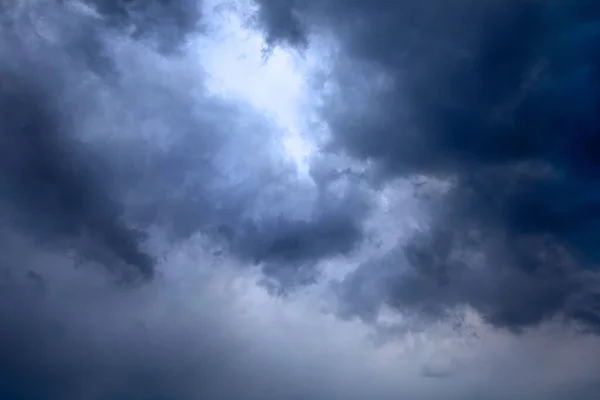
145	145
497	98
361	233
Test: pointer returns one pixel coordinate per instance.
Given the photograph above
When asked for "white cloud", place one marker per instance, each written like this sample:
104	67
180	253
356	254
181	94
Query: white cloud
239	66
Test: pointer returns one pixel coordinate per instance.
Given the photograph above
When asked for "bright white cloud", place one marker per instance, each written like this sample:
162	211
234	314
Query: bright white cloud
273	81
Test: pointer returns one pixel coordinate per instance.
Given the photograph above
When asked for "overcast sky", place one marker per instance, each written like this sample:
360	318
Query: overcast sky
299	199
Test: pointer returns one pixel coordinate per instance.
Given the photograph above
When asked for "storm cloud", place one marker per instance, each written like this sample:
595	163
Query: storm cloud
501	100
403	205
167	156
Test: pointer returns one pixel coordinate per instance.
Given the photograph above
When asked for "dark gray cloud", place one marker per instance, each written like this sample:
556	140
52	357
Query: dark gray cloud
106	344
191	333
167	23
52	187
100	144
499	97
108	142
116	160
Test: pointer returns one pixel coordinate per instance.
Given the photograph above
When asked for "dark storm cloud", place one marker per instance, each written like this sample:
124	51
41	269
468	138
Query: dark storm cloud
106	144
252	208
166	22
97	141
51	186
501	97
259	211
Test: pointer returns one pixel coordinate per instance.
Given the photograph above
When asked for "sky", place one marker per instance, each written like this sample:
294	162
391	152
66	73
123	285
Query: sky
299	199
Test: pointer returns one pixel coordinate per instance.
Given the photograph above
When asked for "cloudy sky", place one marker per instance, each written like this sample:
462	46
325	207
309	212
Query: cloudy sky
299	199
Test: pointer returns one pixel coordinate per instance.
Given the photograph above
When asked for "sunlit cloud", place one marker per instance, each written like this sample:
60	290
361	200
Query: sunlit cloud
240	66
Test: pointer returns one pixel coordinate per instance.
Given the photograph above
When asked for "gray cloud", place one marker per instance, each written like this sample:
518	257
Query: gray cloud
115	161
192	332
113	154
51	186
165	22
500	99
108	155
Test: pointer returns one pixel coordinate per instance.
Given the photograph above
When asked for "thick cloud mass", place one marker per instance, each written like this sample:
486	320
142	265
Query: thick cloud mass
112	155
51	186
501	98
259	276
166	22
160	155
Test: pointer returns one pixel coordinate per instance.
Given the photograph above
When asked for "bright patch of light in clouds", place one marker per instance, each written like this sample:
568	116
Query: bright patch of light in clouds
273	81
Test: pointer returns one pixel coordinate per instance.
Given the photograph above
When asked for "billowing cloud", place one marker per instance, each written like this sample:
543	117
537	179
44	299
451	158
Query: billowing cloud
166	23
145	146
500	100
262	199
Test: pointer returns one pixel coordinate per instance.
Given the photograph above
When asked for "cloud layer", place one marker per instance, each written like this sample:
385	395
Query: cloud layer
498	98
159	241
